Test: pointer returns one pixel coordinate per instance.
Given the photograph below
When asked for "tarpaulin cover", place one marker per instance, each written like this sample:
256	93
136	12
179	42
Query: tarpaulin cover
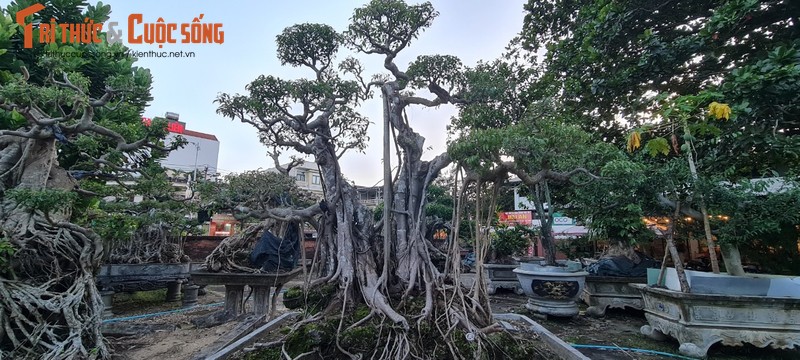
272	253
622	266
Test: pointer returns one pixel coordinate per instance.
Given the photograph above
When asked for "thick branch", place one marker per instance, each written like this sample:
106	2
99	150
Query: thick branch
282	214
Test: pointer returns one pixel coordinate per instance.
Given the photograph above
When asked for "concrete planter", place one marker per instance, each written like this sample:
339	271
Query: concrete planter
604	292
262	284
141	277
698	321
501	276
551	290
113	278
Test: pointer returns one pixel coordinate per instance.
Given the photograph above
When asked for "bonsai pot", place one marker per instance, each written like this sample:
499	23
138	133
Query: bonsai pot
501	276
141	277
698	321
761	310
551	290
604	292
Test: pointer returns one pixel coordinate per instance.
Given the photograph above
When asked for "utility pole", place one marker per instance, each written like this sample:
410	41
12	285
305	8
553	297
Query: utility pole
196	152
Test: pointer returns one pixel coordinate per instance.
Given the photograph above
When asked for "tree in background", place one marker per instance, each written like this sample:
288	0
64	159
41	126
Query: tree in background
649	70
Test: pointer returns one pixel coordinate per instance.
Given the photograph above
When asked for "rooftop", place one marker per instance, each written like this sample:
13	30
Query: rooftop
200	135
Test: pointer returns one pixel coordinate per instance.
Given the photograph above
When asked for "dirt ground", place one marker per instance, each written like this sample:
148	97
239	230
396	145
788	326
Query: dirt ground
173	336
170	336
620	329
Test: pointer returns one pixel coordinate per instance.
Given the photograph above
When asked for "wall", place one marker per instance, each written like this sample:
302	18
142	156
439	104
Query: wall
184	158
198	247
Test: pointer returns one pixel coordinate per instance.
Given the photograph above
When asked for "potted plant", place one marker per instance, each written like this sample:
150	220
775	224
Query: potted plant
505	243
143	239
553	288
616	208
700	309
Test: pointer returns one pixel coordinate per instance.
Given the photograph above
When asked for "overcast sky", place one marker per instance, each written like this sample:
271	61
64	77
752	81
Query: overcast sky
473	30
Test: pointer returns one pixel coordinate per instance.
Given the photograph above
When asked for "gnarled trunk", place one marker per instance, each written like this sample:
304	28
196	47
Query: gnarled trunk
56	312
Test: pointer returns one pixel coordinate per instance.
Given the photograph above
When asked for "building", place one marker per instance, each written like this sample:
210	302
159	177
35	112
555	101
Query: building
200	156
307	177
370	196
197	159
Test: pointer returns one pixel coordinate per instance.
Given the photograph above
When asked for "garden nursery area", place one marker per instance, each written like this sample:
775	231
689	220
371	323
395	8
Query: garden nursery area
620	181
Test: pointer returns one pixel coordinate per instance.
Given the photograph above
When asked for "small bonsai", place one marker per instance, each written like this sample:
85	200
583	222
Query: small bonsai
507	242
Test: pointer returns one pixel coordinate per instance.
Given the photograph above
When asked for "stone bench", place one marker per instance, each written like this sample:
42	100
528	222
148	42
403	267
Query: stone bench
261	283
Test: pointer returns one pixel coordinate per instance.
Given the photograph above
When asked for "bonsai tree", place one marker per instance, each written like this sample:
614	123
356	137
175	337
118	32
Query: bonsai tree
62	113
266	197
384	266
713	81
509	241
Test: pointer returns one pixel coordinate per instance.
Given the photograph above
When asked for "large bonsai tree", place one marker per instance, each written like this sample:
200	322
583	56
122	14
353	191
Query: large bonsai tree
318	117
62	116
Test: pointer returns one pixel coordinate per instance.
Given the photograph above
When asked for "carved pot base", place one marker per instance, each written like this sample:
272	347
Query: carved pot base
551	290
699	321
605	292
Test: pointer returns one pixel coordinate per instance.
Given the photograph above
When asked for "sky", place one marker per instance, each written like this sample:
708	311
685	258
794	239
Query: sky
472	30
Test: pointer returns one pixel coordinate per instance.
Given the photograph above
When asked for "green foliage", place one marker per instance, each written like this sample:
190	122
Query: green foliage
46	201
257	190
754	210
312	45
388	26
6	254
509	241
440	203
657	146
445	71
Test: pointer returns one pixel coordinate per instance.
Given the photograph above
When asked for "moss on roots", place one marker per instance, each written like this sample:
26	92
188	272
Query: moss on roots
334	336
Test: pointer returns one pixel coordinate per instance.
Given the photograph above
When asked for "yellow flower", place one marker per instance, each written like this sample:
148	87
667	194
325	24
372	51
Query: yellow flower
634	141
719	111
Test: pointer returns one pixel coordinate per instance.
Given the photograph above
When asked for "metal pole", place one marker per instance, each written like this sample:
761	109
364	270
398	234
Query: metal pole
196	152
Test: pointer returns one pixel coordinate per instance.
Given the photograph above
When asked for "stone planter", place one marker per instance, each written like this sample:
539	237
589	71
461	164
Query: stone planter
501	276
551	290
141	277
604	292
114	278
698	321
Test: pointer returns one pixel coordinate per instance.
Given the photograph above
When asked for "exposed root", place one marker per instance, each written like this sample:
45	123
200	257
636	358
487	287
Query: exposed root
231	255
56	312
148	245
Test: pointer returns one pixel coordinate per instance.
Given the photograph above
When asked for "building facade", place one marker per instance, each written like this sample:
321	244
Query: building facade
307	177
200	156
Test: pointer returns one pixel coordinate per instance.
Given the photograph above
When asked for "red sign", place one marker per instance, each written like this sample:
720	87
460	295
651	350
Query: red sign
176	127
516	217
173	126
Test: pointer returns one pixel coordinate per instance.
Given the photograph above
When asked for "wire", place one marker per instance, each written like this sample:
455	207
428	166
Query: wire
135	317
160	313
643	351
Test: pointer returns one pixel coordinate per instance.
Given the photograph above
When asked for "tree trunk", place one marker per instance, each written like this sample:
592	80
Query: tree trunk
387	193
712	250
673	251
546	220
56	312
732	259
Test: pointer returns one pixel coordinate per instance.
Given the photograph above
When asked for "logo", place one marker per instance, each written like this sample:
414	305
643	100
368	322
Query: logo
139	32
